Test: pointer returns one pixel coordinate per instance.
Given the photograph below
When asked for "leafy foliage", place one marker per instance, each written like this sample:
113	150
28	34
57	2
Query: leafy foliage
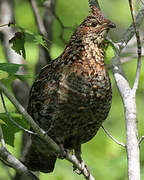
22	36
8	73
3	75
10	68
101	154
18	43
9	129
2	122
109	53
35	38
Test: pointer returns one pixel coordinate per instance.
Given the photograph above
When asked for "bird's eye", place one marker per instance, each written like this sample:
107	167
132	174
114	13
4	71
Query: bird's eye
94	24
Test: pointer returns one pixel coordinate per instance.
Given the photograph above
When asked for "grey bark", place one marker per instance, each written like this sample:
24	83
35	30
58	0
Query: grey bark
21	89
132	145
129	100
44	25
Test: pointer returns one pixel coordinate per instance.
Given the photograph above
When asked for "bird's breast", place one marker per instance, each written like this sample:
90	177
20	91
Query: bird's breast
84	80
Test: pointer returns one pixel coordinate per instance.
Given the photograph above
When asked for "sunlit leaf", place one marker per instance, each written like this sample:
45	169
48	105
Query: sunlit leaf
3	75
2	122
35	38
109	53
8	73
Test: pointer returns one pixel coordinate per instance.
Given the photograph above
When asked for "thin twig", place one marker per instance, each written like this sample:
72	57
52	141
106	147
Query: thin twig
38	18
46	34
130	31
119	143
139	49
2	138
128	98
42	134
141	139
10	118
63	27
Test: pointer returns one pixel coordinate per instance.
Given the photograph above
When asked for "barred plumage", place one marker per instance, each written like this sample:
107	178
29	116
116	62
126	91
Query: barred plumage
72	95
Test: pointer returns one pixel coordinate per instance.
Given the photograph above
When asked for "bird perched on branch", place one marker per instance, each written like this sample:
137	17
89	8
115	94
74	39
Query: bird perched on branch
72	95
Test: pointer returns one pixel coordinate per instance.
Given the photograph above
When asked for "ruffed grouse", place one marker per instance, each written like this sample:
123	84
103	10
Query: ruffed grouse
72	95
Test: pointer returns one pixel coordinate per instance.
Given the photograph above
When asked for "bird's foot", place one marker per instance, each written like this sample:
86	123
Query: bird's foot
63	151
84	170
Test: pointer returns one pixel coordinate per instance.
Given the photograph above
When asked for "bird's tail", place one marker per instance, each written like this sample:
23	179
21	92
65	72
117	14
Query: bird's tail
37	161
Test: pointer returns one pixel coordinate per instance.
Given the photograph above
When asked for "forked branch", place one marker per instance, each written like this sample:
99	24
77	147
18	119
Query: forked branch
128	97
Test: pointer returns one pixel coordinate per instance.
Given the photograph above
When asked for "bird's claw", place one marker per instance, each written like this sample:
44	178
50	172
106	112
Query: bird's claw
64	151
84	170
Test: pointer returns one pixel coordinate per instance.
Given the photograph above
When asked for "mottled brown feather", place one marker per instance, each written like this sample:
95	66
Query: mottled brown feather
72	95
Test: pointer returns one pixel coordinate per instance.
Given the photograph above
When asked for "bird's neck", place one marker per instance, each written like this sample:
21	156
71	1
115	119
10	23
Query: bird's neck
93	51
83	49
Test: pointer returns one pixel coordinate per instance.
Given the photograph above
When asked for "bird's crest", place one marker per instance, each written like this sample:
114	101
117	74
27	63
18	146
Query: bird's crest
97	14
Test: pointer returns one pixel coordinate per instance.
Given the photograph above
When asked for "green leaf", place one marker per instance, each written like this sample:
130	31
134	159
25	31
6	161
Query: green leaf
18	43
35	38
8	80
10	130
8	73
109	53
3	75
10	68
2	122
23	36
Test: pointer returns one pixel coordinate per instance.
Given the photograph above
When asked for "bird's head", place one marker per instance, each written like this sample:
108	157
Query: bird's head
95	26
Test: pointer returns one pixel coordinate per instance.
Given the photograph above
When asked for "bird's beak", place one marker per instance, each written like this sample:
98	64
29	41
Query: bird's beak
111	25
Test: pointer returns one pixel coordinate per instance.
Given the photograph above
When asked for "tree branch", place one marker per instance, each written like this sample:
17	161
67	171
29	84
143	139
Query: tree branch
42	134
125	90
141	139
130	31
10	118
131	121
44	25
3	25
63	27
139	49
13	162
119	143
128	98
2	138
20	89
7	158
38	19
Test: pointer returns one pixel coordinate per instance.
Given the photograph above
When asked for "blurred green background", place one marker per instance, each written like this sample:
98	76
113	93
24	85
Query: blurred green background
106	159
